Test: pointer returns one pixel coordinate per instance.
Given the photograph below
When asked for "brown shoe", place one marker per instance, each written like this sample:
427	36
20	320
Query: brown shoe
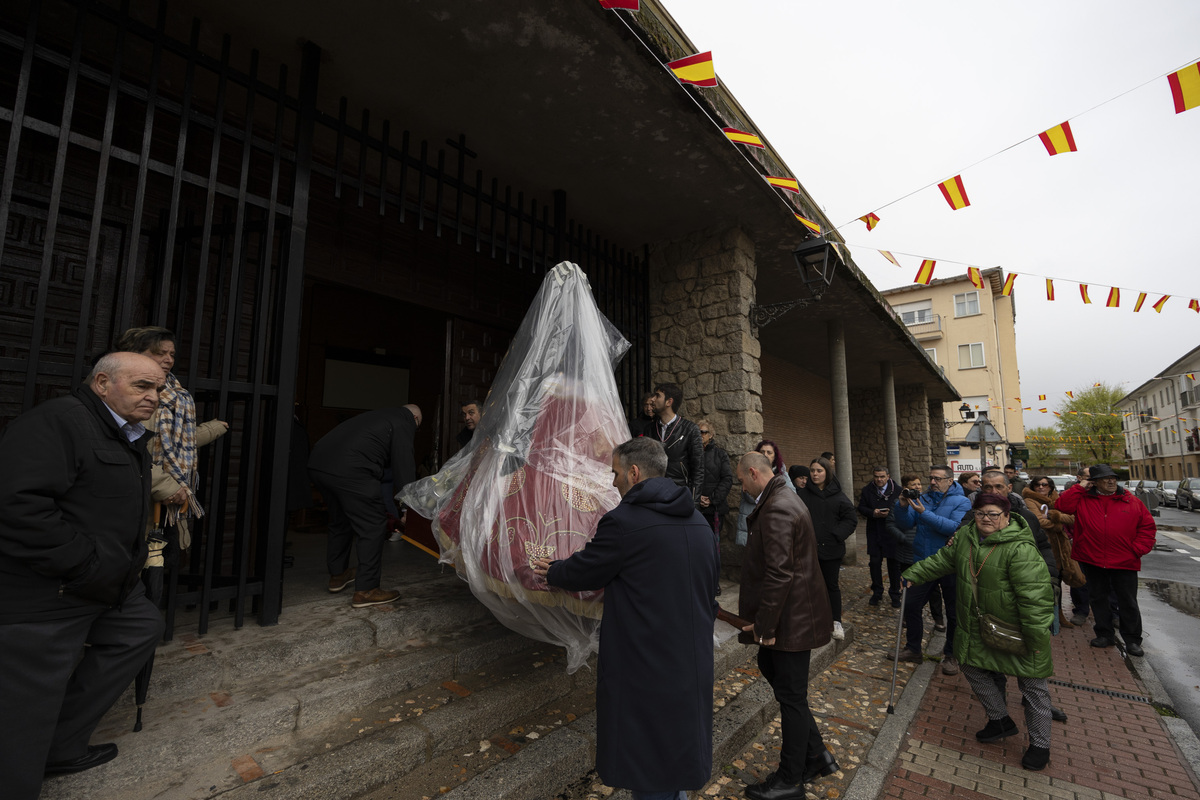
339	582
373	597
1063	621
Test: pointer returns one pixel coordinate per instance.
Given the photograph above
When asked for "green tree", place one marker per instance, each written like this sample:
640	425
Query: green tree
1088	424
1042	443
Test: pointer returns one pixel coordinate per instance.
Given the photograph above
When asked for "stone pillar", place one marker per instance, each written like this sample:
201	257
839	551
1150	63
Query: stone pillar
839	389
891	436
701	289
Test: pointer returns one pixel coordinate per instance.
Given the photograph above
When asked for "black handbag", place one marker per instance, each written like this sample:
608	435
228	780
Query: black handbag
995	632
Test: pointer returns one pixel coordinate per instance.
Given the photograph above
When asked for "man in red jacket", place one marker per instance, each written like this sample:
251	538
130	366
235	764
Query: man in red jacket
1113	530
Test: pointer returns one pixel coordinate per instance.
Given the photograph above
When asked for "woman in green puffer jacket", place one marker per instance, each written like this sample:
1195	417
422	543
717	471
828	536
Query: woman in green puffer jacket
1014	585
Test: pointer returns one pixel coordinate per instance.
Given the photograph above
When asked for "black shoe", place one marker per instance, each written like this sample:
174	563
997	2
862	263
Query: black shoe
1057	714
1102	641
895	602
96	755
1036	758
824	764
874	601
775	789
997	729
1134	649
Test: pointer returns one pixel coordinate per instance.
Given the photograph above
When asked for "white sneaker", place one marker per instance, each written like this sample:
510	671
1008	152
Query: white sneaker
396	536
838	633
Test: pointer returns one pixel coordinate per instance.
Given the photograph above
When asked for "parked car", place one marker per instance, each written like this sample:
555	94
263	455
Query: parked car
1167	492
1061	481
1149	492
1186	494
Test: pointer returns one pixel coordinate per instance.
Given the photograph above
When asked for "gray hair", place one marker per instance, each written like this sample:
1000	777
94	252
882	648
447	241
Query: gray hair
648	454
111	364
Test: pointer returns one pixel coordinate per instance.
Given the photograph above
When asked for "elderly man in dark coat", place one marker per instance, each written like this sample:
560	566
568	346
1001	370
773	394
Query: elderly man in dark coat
347	465
656	559
784	595
74	502
875	502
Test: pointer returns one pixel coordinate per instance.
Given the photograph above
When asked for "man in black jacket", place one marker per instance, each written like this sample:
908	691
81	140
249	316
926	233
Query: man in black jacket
875	502
74	502
347	465
679	437
718	479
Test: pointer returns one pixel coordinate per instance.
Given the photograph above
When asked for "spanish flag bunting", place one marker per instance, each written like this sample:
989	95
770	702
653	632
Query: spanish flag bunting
697	70
1059	139
790	184
1027	408
1008	284
872	220
1071	395
1041	397
1191	376
1093	385
1185	87
975	276
889	257
1141	299
742	137
925	273
1017	399
1055	413
1114	298
808	223
629	5
1050	289
1087	301
954	192
1042	410
1194	305
1162	301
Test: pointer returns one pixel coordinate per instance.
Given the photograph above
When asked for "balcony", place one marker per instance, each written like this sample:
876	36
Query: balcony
923	326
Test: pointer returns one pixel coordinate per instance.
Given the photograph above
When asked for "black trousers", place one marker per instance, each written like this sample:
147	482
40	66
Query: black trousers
914	604
787	672
829	571
358	517
893	571
1124	584
51	699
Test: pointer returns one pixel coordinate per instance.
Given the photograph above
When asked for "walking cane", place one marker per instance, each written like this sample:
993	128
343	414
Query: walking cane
896	656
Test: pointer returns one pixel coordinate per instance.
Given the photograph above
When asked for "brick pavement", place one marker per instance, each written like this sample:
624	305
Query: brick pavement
1114	743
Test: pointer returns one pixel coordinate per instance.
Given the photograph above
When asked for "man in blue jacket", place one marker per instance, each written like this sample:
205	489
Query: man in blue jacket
936	515
656	559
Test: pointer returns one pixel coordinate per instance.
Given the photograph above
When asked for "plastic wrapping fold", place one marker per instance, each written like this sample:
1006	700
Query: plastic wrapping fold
536	477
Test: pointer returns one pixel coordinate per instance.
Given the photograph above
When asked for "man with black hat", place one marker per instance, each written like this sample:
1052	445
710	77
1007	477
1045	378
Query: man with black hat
1113	530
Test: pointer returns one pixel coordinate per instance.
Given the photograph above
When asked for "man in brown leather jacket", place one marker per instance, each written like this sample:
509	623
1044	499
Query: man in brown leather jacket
783	593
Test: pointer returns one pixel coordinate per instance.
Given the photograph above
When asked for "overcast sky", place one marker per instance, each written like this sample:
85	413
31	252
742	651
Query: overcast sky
871	100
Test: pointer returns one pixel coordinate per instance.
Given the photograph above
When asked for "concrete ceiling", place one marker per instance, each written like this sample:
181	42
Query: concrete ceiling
564	95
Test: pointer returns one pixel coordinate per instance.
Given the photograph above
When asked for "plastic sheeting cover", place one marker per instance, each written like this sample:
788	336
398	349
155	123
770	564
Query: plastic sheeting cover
536	477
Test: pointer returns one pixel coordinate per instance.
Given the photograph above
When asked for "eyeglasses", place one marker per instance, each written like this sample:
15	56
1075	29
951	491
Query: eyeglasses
1040	485
936	479
706	433
989	514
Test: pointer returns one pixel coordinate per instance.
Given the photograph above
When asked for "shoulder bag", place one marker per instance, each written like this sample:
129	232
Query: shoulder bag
995	632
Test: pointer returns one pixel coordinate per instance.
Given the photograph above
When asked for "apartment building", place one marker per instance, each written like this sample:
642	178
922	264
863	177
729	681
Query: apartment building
1162	435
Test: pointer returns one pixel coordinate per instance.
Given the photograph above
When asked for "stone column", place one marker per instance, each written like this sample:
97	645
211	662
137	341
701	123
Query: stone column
891	435
839	388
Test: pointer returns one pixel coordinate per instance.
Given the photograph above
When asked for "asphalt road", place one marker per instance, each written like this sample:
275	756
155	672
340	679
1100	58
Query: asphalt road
1170	604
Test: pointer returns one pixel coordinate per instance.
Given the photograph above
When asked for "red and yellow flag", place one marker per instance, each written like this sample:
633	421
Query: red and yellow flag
1042	410
1194	305
871	219
1162	301
790	184
925	273
1050	289
1008	284
629	5
1191	376
808	223
1185	87
1059	139
743	137
1087	301
1138	305
954	192
889	257
697	70
1071	395
975	276
1114	298
1041	397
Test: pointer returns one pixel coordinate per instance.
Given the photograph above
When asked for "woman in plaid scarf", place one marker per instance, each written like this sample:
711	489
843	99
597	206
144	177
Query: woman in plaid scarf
173	448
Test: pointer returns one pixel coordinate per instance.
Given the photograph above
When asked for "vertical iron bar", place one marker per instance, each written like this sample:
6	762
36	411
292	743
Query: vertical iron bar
439	186
492	224
52	212
340	149
89	270
383	161
403	175
478	201
185	114
362	155
507	221
289	328
421	186
560	224
520	225
18	123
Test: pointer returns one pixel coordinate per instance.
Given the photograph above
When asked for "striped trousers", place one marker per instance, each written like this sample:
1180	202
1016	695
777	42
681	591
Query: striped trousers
990	687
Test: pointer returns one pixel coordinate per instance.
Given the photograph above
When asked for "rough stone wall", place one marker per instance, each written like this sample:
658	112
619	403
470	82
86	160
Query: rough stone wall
913	411
867	435
701	289
937	432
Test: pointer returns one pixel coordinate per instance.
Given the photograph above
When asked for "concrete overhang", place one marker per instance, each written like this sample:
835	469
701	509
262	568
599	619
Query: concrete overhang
567	96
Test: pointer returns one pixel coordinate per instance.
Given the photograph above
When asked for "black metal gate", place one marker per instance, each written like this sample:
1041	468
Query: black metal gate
147	183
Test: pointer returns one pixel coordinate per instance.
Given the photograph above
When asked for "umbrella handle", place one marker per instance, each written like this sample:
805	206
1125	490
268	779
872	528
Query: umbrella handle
157	514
